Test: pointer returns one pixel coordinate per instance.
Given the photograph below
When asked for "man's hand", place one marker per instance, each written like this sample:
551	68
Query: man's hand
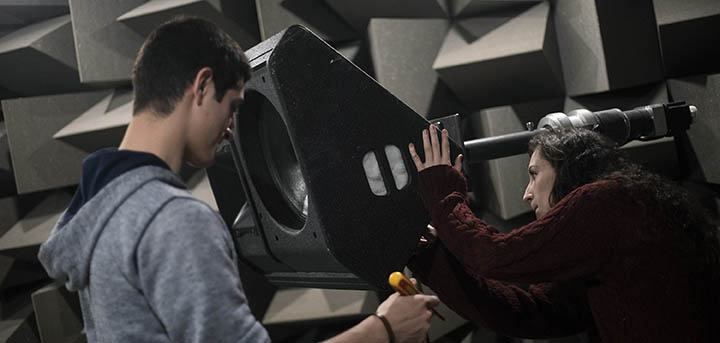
435	153
409	316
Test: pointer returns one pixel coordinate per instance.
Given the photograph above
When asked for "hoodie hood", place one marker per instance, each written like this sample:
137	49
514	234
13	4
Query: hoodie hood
103	166
109	178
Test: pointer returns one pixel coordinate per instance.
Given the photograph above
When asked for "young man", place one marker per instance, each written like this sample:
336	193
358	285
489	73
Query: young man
152	263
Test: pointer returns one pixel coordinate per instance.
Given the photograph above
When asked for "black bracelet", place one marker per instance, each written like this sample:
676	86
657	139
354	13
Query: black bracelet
386	323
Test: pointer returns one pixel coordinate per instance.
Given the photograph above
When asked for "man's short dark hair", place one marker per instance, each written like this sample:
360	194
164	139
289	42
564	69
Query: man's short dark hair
171	56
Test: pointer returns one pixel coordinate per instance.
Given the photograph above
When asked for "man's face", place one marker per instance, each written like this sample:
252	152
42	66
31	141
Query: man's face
212	124
542	179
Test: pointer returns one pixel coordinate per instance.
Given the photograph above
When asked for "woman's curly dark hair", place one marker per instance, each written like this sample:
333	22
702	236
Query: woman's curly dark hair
581	156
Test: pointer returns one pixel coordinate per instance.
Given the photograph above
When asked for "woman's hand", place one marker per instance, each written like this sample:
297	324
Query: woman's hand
435	153
428	237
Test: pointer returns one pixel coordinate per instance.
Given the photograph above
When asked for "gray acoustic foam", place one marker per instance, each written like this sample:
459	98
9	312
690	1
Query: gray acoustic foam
5	266
236	17
7	178
5	94
39	161
702	142
18	325
58	314
12	208
23	239
470	8
5	29
689	36
19	268
359	13
17	273
403	51
499	184
607	45
106	48
46	53
26	12
658	155
102	125
276	15
673	11
359	53
514	62
349	50
9	213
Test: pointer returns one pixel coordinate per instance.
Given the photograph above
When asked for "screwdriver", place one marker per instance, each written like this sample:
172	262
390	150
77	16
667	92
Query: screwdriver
402	285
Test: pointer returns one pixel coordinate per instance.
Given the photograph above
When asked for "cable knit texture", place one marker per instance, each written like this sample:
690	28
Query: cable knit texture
593	264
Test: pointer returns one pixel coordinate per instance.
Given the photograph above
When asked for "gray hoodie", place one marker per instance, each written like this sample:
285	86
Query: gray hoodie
151	264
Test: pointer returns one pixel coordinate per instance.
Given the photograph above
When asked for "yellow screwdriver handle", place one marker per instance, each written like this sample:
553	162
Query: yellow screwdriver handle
401	284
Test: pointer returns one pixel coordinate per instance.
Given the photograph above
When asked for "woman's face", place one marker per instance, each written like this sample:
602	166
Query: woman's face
542	179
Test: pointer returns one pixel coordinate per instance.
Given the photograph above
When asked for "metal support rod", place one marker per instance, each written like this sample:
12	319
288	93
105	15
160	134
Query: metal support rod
641	123
490	148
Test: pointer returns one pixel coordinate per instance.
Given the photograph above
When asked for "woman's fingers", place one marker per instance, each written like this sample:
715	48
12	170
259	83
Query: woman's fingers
458	163
445	156
416	159
427	147
436	157
431	230
437	151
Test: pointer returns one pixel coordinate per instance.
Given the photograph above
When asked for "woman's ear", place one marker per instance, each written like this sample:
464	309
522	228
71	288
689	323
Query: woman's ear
201	84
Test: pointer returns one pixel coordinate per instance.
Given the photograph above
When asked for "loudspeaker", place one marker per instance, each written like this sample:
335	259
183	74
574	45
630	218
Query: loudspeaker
321	151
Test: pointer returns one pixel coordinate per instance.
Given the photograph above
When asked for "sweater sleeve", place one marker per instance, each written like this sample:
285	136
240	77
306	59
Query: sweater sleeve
190	279
578	237
542	311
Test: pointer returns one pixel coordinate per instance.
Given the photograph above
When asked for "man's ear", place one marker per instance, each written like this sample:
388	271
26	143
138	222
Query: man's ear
201	85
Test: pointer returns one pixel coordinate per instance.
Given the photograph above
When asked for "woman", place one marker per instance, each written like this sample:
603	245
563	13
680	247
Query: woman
615	250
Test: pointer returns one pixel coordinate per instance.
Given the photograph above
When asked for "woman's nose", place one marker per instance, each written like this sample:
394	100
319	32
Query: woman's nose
527	196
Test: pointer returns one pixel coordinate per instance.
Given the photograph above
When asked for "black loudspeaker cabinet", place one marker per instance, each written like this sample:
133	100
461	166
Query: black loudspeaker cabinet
310	120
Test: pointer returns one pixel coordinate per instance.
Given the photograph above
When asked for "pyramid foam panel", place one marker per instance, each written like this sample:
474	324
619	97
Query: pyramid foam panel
316	15
688	36
39	161
508	60
47	54
607	45
106	48
403	51
702	139
359	13
236	17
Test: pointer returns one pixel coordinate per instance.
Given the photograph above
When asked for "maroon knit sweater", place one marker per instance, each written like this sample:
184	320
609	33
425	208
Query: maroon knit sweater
597	261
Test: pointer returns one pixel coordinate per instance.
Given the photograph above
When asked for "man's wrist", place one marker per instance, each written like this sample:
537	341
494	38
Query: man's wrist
386	325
